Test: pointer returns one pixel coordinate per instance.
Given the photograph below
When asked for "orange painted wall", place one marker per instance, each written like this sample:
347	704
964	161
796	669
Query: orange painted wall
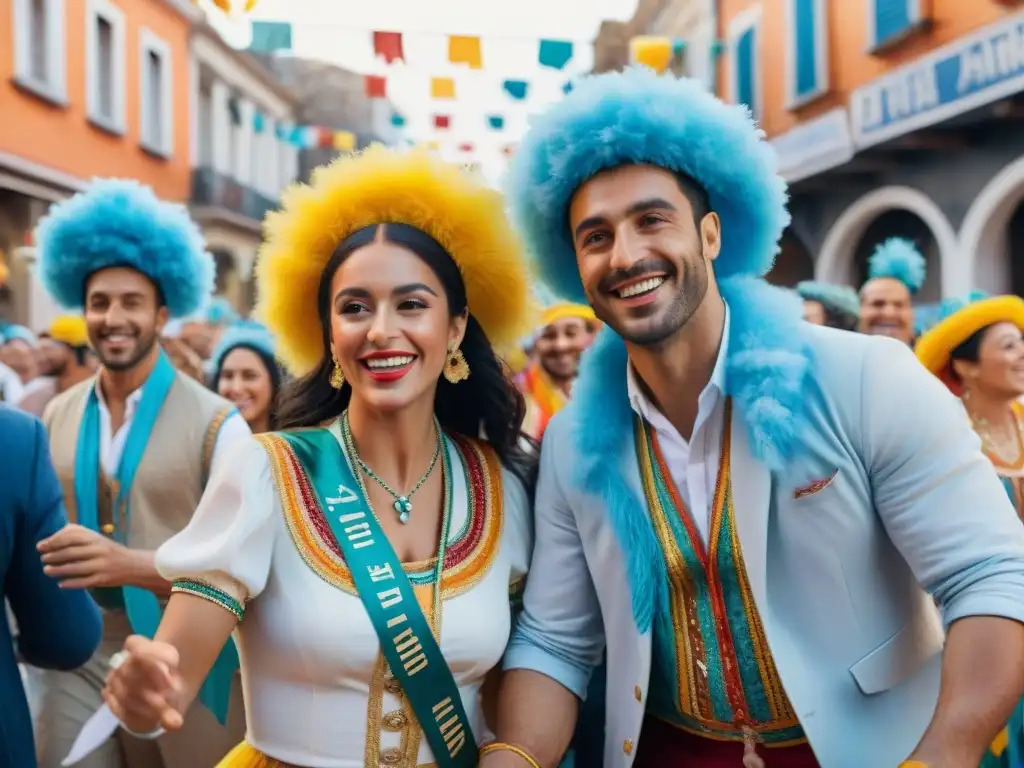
64	139
849	65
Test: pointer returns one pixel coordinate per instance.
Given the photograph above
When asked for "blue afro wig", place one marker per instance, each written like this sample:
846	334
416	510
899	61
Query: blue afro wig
637	117
245	333
899	259
836	298
121	223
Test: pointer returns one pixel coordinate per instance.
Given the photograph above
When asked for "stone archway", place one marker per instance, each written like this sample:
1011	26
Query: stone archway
992	234
793	263
837	262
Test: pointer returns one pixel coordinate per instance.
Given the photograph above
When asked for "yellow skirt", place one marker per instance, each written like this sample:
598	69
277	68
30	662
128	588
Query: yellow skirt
247	756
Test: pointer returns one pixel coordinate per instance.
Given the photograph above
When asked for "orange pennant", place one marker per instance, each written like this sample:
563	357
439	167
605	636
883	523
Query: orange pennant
465	50
442	88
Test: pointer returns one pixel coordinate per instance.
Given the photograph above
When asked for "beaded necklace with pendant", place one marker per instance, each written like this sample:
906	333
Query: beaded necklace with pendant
402	504
446	510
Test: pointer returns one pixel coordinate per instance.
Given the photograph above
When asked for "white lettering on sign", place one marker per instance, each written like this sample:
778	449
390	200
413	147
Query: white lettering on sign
991	60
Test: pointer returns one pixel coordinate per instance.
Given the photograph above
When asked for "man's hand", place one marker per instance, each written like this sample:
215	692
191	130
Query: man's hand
83	559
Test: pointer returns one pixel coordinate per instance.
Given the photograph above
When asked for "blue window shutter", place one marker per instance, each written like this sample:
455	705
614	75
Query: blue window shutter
892	18
745	68
805	34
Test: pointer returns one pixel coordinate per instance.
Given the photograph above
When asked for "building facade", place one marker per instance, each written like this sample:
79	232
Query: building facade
87	88
241	153
890	118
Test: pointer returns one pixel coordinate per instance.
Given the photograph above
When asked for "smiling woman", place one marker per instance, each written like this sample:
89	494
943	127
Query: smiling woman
374	615
246	373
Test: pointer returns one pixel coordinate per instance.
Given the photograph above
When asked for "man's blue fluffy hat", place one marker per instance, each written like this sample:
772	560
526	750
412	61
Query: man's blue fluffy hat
899	259
637	117
121	223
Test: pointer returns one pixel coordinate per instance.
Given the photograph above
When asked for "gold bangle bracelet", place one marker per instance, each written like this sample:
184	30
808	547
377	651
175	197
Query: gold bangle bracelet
501	746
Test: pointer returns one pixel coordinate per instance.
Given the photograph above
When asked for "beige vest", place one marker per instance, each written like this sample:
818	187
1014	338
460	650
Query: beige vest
172	474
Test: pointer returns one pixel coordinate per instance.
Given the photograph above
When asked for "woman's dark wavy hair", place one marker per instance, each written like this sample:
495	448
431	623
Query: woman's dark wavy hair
487	403
273	370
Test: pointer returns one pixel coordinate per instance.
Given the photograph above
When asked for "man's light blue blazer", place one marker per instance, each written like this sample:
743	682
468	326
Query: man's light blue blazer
908	514
57	628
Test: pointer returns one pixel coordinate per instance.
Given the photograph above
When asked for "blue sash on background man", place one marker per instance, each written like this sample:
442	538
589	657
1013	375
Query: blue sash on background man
143	607
406	639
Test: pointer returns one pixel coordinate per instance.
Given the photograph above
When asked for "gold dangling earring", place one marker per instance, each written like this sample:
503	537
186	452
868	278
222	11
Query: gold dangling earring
456	368
337	377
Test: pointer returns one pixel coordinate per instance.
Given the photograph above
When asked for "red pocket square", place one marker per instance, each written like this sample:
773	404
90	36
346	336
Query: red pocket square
816	487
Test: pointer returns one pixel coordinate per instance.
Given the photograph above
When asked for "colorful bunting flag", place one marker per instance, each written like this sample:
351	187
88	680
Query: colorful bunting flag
397	120
376	87
344	141
389	46
567	88
465	50
270	37
259	122
465	147
442	122
555	53
497	122
653	52
442	88
517	89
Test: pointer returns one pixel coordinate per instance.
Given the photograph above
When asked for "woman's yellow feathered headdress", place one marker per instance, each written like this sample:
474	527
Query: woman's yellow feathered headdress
377	186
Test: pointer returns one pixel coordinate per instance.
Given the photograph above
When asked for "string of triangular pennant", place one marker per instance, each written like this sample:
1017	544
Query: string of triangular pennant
658	53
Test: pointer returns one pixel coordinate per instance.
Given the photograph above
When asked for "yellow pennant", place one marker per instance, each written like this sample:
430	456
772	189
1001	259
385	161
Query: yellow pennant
653	52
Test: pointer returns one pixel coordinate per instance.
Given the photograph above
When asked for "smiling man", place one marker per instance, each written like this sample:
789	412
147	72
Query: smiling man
132	447
739	507
566	331
896	271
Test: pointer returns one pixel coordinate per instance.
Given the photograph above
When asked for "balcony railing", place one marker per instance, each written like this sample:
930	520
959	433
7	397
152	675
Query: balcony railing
210	188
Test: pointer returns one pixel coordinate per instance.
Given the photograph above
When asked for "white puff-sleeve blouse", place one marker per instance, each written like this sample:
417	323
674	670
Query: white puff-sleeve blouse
317	690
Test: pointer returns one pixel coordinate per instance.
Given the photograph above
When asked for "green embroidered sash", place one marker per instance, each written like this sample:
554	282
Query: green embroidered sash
406	639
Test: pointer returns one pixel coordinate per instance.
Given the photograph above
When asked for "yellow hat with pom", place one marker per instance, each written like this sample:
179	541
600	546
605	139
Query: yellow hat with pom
378	186
70	330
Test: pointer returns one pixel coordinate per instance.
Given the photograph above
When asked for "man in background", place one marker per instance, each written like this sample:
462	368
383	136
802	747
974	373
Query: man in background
896	271
63	358
566	331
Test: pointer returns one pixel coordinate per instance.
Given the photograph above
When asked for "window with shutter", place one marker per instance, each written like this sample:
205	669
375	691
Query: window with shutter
891	19
745	68
808	62
744	54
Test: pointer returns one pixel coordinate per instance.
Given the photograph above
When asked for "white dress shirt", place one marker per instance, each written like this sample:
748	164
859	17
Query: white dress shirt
112	445
692	463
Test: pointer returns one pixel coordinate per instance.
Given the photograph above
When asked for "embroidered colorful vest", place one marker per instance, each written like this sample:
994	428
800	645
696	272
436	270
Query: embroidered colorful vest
715	670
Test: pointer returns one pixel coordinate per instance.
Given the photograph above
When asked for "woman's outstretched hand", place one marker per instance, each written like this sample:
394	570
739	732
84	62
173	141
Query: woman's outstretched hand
144	688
